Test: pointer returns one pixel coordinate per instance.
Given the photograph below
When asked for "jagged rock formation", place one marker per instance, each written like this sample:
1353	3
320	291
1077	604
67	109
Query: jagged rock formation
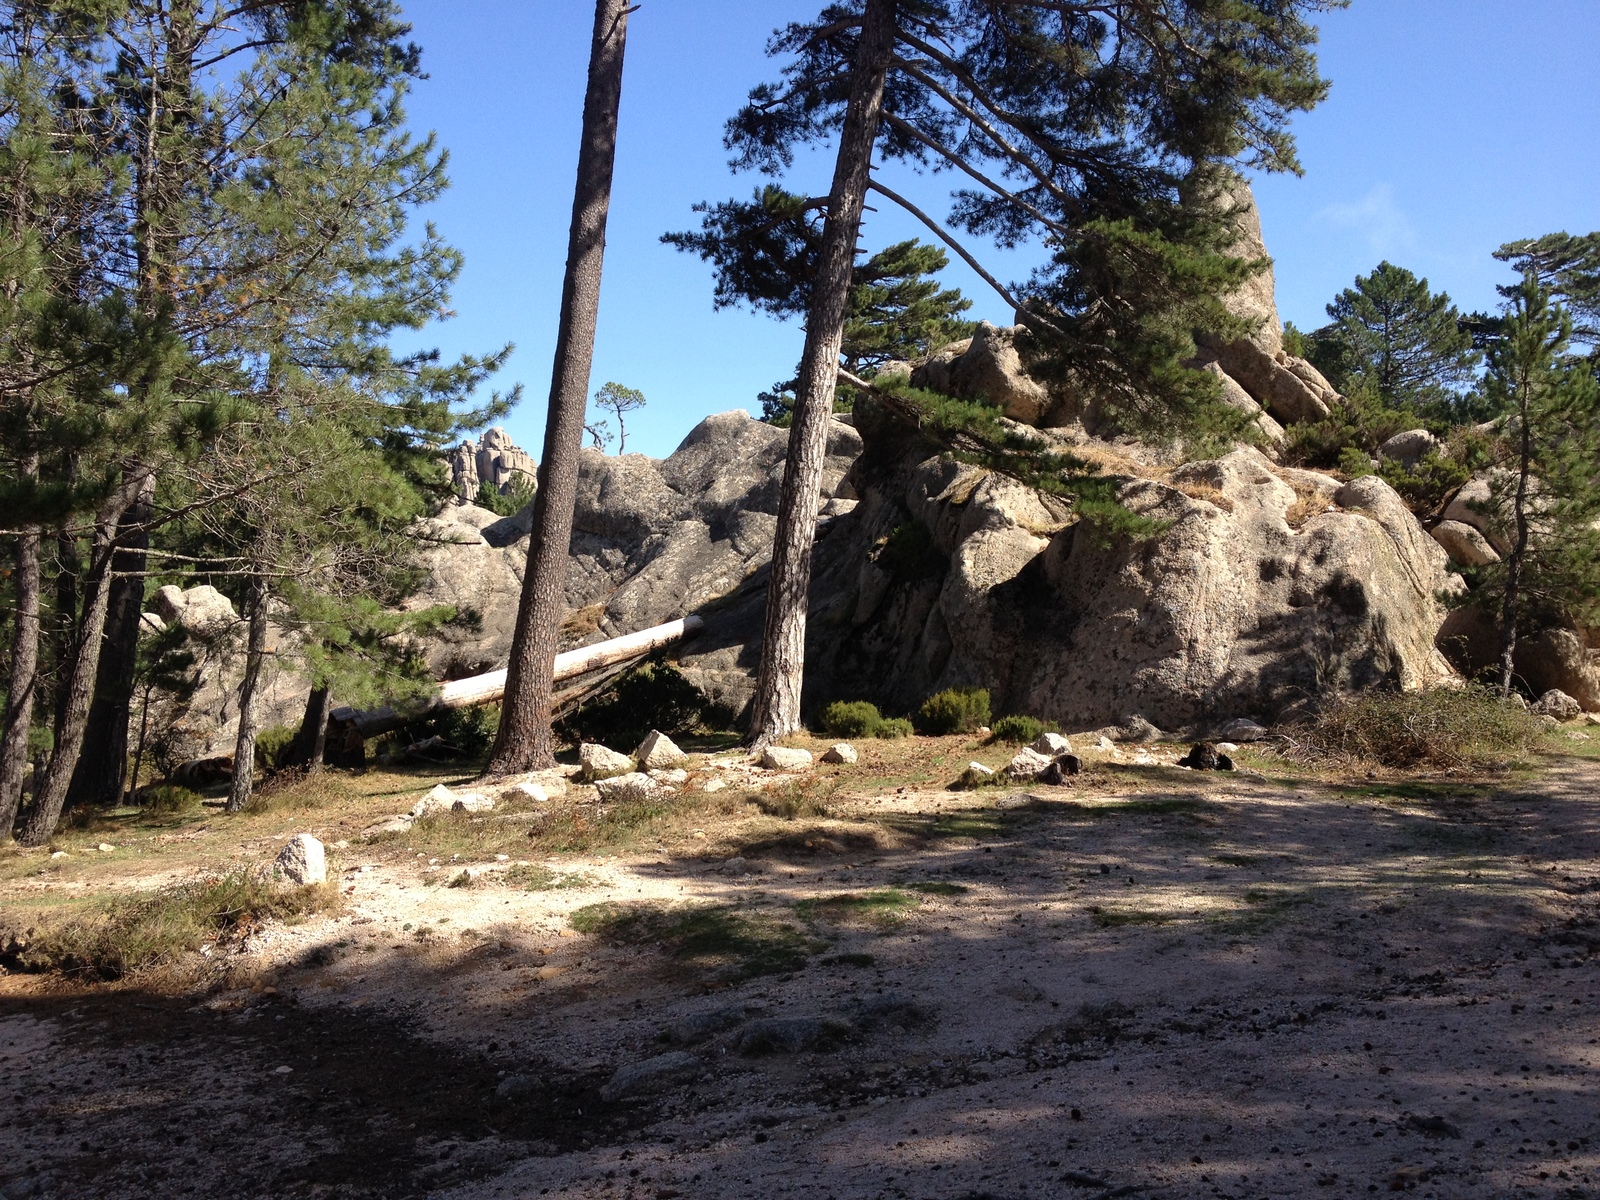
498	463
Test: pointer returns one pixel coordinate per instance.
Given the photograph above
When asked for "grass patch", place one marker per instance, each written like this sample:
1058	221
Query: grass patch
117	937
1267	906
1113	918
534	877
933	887
1469	729
882	909
708	937
790	802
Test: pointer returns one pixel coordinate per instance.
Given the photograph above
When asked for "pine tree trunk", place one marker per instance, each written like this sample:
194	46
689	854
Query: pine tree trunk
100	776
22	683
776	711
1519	551
80	668
244	745
524	741
311	739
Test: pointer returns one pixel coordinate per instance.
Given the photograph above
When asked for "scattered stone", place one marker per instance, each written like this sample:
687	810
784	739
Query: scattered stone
1556	703
714	785
658	752
1464	544
206	612
1227	748
700	1026
1546	721
601	762
514	1087
397	824
1104	744
1027	765
302	861
1575	736
1203	756
734	866
60	854
843	753
1411	447
105	847
675	777
792	1035
1051	745
650	1074
976	775
1242	729
537	793
1061	769
782	758
443	800
1137	729
630	788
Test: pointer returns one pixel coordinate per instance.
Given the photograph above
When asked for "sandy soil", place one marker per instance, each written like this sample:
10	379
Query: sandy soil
1161	984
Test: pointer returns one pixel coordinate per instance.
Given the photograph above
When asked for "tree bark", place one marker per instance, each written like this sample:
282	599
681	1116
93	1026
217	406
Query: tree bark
1519	550
244	745
776	711
22	683
81	669
100	776
311	739
525	741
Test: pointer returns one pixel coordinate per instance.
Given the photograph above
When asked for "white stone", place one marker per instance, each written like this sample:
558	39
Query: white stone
1242	729
634	786
206	612
714	785
659	753
442	800
1051	744
302	860
976	775
1228	747
537	793
601	762
152	623
1028	764
677	776
1464	544
844	752
783	758
1104	744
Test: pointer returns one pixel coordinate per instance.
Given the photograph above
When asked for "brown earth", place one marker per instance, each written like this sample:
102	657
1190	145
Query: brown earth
1157	982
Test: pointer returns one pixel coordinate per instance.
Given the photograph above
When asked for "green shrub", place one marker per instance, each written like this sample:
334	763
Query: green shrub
271	743
1440	729
893	727
169	798
955	710
851	718
656	696
1020	730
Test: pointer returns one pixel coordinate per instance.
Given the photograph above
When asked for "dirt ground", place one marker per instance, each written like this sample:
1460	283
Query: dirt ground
1154	983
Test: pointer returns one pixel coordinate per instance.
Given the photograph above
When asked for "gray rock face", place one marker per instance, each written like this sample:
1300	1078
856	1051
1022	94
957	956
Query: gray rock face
601	762
1410	447
302	861
1027	765
651	1074
842	754
989	368
658	752
1241	729
1556	703
442	799
792	1035
782	758
631	788
1464	544
1051	744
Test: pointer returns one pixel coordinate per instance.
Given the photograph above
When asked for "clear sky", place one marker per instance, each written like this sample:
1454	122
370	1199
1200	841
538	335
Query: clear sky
1452	126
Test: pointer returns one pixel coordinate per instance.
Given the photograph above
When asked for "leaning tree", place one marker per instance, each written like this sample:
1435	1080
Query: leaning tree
1086	128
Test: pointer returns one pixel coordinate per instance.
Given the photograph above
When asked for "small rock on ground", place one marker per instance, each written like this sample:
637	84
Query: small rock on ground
791	1035
651	1073
602	762
658	752
844	752
1028	764
1052	744
634	786
302	861
783	758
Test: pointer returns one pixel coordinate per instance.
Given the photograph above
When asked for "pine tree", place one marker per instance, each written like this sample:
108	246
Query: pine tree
524	740
1410	344
1570	267
1546	501
1087	126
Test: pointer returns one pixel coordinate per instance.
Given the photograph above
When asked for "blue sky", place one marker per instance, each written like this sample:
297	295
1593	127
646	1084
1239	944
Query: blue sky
1453	126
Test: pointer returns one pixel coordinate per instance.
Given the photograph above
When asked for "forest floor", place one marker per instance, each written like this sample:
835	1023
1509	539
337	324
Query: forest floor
1155	982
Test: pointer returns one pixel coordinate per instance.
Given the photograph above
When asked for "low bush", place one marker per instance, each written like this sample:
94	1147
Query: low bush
893	727
1019	730
1440	729
851	718
271	743
132	933
168	798
955	710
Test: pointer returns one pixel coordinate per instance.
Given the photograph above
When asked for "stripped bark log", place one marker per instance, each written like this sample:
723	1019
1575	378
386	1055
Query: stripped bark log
489	688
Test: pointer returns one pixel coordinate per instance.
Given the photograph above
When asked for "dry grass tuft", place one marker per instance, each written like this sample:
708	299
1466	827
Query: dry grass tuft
1211	495
581	622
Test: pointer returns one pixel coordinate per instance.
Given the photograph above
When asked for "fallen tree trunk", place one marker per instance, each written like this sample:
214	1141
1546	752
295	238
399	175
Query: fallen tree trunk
490	687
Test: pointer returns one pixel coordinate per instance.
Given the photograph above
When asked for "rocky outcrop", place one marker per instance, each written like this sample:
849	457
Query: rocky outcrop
498	463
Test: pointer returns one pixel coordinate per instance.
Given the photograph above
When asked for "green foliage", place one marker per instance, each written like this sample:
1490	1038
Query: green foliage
1569	266
517	496
954	710
1546	500
169	799
131	933
617	400
465	732
910	553
851	719
271	743
717	939
656	696
1408	343
1019	730
1356	425
1442	729
882	909
891	728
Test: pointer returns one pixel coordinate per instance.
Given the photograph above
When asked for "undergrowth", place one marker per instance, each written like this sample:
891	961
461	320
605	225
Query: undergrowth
125	934
712	937
1468	729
